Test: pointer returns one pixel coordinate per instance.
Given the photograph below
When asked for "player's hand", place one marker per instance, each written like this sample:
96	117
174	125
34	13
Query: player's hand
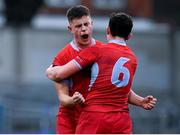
149	102
78	98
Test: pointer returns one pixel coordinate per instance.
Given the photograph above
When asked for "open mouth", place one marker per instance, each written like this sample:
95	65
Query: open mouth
85	36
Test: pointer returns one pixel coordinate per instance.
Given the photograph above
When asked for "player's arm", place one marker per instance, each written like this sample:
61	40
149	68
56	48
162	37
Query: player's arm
85	58
59	73
63	94
147	102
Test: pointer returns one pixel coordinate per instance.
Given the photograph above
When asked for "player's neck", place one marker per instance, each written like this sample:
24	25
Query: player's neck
116	38
83	46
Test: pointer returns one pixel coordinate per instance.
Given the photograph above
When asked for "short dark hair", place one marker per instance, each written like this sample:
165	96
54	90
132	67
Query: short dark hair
77	12
120	24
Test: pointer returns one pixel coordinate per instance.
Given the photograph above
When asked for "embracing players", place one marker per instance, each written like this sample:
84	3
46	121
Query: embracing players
113	66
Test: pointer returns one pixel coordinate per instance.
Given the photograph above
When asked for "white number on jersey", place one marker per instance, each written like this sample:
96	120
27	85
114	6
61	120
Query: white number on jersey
120	69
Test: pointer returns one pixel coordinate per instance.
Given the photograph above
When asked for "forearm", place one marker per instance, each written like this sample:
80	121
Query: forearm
135	99
59	73
63	94
55	73
66	100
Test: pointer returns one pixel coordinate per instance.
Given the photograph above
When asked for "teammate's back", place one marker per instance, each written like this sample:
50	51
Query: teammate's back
113	68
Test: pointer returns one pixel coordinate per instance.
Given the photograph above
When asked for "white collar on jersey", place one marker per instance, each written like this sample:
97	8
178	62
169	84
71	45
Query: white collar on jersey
75	46
119	42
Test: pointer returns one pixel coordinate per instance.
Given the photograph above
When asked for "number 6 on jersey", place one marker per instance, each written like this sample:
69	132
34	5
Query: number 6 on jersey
120	69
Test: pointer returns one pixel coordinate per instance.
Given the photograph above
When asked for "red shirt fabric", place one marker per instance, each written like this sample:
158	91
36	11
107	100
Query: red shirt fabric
104	123
113	68
79	81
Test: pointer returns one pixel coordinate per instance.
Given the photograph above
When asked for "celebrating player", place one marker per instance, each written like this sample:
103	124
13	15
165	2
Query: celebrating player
113	67
72	92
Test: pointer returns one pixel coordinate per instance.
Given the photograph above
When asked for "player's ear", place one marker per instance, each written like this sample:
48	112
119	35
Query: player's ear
129	36
108	31
69	28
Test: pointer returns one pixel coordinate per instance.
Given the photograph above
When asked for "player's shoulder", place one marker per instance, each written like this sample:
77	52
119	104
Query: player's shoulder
98	42
96	47
66	50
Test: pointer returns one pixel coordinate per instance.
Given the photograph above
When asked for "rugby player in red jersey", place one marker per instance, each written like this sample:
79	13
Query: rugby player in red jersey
113	67
72	91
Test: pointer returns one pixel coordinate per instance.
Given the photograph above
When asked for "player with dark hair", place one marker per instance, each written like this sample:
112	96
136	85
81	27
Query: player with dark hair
71	92
105	109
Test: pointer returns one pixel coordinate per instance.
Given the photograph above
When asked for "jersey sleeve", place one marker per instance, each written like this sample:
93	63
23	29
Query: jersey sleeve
86	57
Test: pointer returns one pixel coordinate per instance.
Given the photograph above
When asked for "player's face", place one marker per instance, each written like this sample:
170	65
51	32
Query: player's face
82	30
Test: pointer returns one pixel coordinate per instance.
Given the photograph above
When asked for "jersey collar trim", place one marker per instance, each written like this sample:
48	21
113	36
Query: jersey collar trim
75	46
119	42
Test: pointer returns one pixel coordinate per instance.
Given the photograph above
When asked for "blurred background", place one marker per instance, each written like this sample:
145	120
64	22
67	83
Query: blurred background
33	31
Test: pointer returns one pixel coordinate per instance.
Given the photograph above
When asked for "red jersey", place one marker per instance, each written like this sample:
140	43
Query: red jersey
113	69
80	81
